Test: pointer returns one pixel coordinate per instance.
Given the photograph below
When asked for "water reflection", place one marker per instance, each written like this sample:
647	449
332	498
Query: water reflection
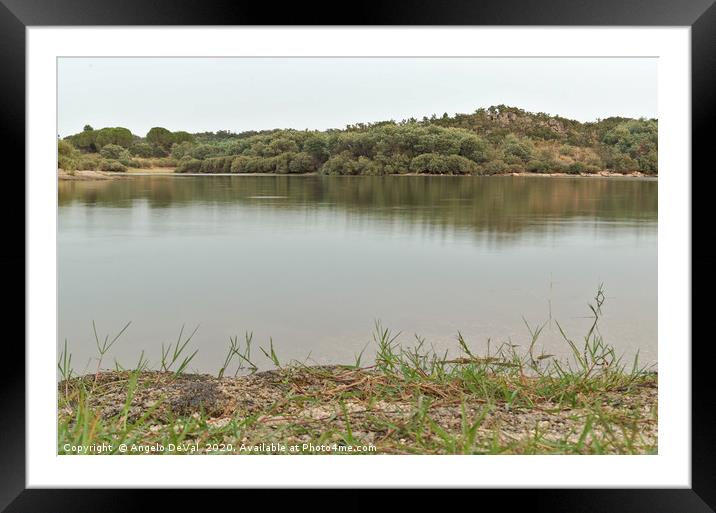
312	261
502	205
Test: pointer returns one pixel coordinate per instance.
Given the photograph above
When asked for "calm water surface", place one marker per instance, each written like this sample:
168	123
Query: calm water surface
312	262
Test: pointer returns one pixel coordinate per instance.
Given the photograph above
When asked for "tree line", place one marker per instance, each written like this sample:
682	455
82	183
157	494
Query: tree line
496	140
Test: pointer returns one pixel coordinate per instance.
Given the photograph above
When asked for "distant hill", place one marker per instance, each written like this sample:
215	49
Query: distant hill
499	139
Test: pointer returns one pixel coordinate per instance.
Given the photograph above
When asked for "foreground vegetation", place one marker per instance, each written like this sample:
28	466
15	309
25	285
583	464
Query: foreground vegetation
496	140
409	400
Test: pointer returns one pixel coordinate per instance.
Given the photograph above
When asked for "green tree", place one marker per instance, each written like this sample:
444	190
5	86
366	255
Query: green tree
113	135
301	163
435	163
203	151
67	156
281	145
474	148
317	148
494	140
66	149
113	151
634	143
181	149
181	137
142	149
518	147
161	138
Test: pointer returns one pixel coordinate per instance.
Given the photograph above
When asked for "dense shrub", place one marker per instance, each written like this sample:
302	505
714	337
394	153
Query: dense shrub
112	165
474	148
204	151
580	167
576	168
188	165
537	166
279	146
66	163
113	151
154	162
495	167
316	146
634	145
239	164
261	165
394	164
302	163
95	140
89	162
341	164
66	149
496	140
567	150
366	166
624	164
516	167
142	149
517	147
511	160
182	149
67	156
216	165
434	163
281	162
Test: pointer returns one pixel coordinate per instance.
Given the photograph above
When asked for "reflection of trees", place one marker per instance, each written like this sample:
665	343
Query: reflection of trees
499	204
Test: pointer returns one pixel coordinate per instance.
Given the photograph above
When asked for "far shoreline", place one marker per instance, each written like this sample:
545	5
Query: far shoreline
113	175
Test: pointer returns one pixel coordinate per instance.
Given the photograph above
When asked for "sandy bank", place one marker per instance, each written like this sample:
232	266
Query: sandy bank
85	175
148	171
168	171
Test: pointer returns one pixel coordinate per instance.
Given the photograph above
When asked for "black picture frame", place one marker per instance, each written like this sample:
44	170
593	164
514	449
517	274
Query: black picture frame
700	15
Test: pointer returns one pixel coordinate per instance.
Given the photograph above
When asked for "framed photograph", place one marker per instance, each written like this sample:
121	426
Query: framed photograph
447	247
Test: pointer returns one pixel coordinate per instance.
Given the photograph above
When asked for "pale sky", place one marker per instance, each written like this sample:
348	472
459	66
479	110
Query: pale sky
237	94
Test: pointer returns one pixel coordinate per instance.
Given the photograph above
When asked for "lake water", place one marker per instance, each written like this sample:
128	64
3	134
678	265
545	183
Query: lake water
312	261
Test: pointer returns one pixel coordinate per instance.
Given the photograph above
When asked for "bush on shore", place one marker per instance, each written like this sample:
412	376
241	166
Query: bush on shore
434	163
188	165
113	165
500	139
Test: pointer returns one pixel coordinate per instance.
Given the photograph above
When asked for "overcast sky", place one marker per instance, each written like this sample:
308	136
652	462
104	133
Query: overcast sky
210	94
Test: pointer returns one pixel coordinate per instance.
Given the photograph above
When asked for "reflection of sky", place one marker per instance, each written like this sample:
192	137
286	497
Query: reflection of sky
315	277
425	222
